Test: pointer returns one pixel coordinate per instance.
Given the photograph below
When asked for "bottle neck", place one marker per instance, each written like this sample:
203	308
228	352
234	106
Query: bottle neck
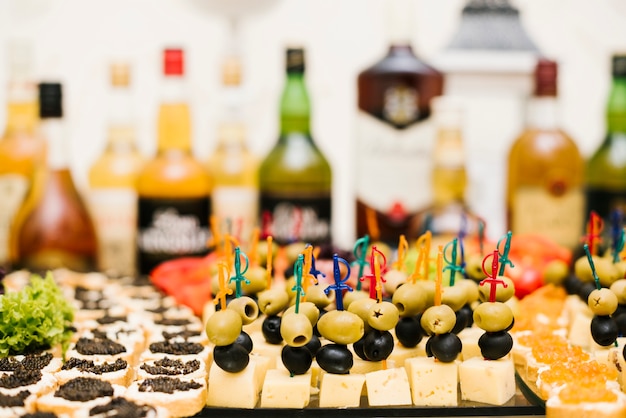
449	173
22	108
174	119
543	113
616	108
53	130
121	130
399	23
295	106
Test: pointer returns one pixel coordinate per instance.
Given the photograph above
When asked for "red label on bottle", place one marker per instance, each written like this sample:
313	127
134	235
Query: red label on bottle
171	228
297	219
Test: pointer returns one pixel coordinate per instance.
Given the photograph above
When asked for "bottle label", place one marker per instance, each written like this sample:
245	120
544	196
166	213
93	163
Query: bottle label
236	208
114	212
13	188
555	212
171	228
393	173
305	219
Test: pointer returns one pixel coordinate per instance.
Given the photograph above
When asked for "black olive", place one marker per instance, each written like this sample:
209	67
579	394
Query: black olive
445	347
585	290
620	320
604	330
315	331
314	345
464	319
429	347
297	360
409	331
358	348
377	345
232	358
271	329
495	345
335	358
245	340
572	284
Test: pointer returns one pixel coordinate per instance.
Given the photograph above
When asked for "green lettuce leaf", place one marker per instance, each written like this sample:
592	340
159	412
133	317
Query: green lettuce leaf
36	317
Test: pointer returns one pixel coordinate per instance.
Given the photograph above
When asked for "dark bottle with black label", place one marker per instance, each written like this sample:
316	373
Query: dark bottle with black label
173	188
395	136
295	177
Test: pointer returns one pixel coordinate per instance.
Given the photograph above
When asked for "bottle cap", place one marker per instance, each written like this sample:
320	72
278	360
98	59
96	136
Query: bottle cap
546	78
173	61
120	74
50	98
619	65
295	60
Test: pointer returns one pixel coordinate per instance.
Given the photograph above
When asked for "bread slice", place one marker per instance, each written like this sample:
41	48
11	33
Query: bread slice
181	397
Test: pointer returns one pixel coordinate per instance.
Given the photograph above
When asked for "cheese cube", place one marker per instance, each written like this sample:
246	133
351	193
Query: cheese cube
580	330
487	381
433	383
361	366
233	390
388	387
263	348
280	390
263	364
401	353
469	338
341	390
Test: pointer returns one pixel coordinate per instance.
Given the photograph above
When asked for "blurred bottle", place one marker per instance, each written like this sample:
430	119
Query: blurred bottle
449	216
53	228
394	136
20	148
295	177
234	170
545	170
113	181
605	175
173	187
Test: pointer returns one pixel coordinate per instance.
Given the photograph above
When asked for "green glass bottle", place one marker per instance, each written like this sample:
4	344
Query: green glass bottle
606	169
295	178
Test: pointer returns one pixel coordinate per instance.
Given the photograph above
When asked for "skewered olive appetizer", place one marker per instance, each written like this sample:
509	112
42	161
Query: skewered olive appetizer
224	329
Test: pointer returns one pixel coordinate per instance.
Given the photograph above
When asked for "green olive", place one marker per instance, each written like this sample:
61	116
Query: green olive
471	289
393	280
429	290
454	296
602	302
262	251
619	288
308	309
410	299
341	327
316	295
293	250
290	283
474	267
621	268
438	319
296	329
272	301
493	316
502	293
361	307
246	307
383	316
257	276
606	271
350	297
223	327
555	272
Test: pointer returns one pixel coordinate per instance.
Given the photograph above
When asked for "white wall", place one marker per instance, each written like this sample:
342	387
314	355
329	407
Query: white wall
75	39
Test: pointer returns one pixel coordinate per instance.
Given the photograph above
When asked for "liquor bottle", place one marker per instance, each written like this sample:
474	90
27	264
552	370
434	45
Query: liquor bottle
20	148
53	228
233	168
449	216
395	135
605	175
545	193
112	195
295	177
173	187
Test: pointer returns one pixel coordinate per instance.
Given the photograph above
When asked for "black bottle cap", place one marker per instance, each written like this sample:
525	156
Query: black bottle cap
50	98
619	66
295	60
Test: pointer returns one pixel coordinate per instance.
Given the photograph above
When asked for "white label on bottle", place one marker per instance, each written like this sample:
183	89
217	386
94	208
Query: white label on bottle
236	209
13	188
555	216
393	165
114	212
